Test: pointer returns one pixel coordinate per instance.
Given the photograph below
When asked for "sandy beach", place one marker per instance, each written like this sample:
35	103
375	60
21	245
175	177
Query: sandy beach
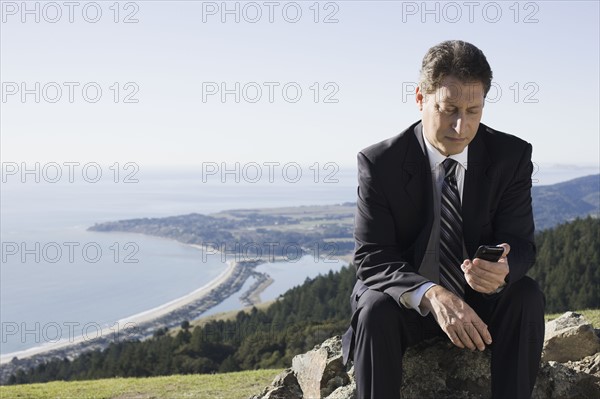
195	295
134	320
148	321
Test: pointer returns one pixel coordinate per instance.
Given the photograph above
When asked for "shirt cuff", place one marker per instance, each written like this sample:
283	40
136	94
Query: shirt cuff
412	299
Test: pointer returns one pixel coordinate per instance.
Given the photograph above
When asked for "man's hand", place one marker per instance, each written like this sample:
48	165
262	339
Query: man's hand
457	319
484	276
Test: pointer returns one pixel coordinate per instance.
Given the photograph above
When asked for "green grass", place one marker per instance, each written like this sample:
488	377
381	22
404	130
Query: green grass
202	386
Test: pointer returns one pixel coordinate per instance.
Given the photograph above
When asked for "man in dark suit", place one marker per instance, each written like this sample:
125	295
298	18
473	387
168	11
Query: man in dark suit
427	198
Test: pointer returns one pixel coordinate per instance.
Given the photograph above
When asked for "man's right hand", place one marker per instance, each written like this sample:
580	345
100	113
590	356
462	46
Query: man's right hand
457	319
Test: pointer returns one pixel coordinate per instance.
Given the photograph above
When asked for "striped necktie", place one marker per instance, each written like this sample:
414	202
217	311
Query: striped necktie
451	236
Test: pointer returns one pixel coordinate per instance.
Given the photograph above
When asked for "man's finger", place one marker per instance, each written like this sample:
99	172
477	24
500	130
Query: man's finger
475	336
483	332
465	338
454	338
479	269
478	285
485	265
506	249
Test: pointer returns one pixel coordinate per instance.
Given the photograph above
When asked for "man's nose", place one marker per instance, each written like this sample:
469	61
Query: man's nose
459	124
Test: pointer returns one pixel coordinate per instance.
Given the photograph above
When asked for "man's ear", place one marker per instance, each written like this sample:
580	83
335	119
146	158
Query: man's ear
419	98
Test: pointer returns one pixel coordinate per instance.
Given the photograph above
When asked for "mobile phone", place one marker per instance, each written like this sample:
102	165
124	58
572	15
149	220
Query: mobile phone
491	253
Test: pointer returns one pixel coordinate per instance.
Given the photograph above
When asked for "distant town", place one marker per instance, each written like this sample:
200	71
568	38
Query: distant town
267	235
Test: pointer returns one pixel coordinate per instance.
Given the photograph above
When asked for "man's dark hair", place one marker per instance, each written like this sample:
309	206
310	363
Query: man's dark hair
455	58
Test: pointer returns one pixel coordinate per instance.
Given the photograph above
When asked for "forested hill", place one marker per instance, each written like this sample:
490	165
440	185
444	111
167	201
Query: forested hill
563	202
568	265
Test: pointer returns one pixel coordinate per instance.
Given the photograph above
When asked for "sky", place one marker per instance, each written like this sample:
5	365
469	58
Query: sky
185	83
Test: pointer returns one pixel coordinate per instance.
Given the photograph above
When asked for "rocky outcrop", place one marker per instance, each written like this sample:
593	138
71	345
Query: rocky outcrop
321	371
318	373
570	337
284	386
438	369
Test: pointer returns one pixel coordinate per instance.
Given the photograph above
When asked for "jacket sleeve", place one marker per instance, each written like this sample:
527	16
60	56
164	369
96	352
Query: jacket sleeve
513	219
379	261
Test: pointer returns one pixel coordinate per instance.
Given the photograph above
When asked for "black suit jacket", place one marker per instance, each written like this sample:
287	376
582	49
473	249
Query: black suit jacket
394	213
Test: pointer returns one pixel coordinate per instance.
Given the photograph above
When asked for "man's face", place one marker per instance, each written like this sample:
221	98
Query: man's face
451	114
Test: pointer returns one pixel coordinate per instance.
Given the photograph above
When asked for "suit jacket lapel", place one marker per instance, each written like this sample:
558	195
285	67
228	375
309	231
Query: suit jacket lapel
476	191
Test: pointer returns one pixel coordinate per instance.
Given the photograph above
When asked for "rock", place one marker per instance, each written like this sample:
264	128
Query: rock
556	380
589	365
437	369
570	337
345	392
320	371
284	386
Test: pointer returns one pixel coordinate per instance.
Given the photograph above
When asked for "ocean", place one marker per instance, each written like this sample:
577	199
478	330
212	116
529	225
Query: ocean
58	280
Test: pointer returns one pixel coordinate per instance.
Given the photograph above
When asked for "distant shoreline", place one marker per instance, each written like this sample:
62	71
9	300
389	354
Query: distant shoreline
231	279
145	317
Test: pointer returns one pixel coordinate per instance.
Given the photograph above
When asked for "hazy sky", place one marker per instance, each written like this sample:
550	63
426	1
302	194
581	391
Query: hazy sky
308	91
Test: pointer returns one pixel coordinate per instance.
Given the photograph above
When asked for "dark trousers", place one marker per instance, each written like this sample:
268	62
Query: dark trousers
381	330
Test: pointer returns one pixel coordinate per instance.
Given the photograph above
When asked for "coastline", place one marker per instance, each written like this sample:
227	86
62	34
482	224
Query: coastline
153	315
140	326
138	320
199	293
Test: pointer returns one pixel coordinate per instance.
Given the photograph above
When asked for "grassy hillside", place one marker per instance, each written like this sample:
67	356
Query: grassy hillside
200	386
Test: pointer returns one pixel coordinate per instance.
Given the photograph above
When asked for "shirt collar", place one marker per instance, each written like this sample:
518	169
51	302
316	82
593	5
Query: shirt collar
436	158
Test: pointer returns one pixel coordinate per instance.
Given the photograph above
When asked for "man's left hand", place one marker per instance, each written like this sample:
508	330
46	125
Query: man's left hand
484	276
